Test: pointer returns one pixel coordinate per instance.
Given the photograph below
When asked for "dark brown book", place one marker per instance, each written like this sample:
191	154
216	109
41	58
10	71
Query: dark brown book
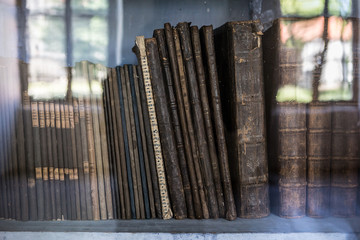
54	125
164	58
44	162
195	38
239	50
85	157
50	159
130	142
318	158
122	174
140	50
141	163
286	125
137	78
190	127
149	144
345	158
37	160
198	118
167	137
182	118
207	40
111	146
105	156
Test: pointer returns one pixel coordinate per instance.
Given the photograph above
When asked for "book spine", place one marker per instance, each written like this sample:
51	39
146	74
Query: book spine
79	155
145	192
149	144
50	159
124	179
105	157
74	170
98	156
60	151
189	124
131	160
85	154
54	145
30	165
66	156
134	149
137	78
37	161
198	118
214	95
345	159
318	159
92	162
167	137
140	51
195	37
164	58
111	148
44	163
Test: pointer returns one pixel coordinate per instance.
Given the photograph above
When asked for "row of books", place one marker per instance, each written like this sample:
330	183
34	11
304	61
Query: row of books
183	134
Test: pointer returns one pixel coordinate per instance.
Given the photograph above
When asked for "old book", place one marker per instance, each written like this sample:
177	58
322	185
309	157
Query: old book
60	152
44	162
124	194
149	144
66	156
167	137
318	158
141	160
54	146
189	123
207	40
37	160
85	155
94	193
195	38
286	125
49	152
182	118
79	156
135	149
98	157
137	78
30	166
345	158
198	118
105	157
140	50
130	141
163	54
238	45
74	170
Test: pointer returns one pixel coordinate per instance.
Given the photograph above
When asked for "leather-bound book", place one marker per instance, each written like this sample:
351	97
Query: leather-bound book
345	158
318	158
286	118
167	137
238	48
164	58
198	118
207	41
